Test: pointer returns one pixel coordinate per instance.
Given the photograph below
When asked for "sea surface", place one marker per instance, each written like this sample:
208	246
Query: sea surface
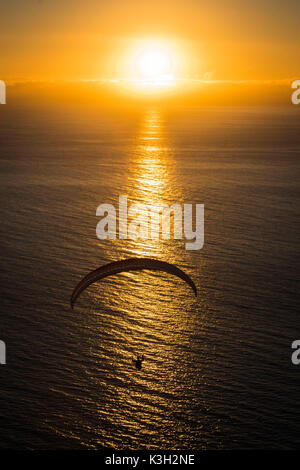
217	372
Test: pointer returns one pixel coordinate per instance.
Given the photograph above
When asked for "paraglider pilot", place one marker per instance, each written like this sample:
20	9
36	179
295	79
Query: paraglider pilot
138	362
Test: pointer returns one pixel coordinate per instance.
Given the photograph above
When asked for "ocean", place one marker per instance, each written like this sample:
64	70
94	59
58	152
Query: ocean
217	372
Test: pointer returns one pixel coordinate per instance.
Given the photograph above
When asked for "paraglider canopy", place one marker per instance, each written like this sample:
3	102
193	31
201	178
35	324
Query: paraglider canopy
132	264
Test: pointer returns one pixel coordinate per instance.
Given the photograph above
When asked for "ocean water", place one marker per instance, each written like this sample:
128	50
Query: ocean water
217	371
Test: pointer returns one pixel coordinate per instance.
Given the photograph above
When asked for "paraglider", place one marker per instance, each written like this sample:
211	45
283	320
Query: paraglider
132	264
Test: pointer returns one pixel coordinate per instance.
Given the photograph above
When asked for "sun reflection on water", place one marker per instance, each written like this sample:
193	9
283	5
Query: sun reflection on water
151	165
135	313
147	310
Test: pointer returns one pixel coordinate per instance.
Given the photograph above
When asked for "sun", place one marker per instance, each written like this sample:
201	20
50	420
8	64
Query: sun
154	63
151	65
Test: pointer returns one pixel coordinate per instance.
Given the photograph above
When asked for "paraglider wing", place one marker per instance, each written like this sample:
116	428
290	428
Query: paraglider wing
132	264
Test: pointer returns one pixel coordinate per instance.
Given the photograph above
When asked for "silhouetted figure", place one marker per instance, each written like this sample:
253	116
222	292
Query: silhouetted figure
138	362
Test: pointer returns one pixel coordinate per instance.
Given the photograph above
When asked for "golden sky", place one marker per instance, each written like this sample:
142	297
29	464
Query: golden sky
95	40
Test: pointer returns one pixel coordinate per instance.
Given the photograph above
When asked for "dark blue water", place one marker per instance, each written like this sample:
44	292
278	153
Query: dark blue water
217	371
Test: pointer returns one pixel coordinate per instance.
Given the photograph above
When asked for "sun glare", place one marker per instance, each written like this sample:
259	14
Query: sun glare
152	65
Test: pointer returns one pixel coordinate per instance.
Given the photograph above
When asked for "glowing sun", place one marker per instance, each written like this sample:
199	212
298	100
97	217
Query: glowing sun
154	64
151	65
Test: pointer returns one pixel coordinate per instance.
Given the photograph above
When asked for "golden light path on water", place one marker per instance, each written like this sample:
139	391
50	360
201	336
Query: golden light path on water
145	313
151	182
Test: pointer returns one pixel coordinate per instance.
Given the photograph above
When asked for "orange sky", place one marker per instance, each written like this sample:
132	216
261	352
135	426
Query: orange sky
91	39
